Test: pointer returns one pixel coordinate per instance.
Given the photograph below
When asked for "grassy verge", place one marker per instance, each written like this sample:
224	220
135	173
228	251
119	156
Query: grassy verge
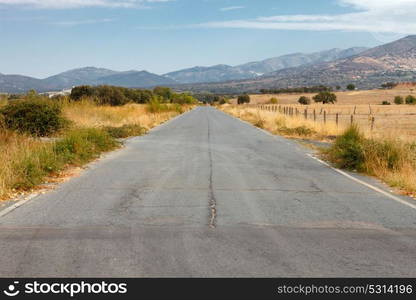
296	127
392	160
386	157
27	161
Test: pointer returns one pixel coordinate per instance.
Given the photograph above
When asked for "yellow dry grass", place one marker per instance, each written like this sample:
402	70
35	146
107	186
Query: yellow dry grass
398	141
15	149
281	124
88	114
21	154
364	97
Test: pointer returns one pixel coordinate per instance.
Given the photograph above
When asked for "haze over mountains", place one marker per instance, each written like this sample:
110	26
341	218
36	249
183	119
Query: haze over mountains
367	68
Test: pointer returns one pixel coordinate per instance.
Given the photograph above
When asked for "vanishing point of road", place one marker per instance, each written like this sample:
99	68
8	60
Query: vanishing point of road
207	195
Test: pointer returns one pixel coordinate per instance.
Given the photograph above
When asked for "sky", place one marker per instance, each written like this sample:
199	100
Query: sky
41	38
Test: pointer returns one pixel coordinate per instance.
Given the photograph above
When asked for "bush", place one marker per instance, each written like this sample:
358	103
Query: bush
398	100
325	97
83	91
243	99
82	145
154	106
37	117
410	99
274	101
351	87
347	151
385	103
304	100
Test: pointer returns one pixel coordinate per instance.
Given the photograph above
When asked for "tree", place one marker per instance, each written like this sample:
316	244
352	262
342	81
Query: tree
243	99
398	100
82	91
325	97
338	87
351	87
410	99
304	100
164	92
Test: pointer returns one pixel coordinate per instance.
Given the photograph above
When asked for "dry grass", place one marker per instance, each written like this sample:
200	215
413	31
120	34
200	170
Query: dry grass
87	114
14	150
279	123
365	97
27	161
388	154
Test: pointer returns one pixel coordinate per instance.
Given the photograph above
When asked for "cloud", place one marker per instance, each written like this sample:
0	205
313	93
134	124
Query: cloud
63	4
81	22
382	16
231	8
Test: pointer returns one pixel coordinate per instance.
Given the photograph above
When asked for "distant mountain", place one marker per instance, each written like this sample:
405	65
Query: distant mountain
82	76
395	61
135	79
19	84
209	74
88	75
220	73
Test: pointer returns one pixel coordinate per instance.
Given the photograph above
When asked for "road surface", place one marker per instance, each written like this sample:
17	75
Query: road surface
208	195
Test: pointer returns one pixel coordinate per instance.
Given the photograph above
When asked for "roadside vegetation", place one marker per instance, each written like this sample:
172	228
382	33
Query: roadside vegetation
42	137
386	154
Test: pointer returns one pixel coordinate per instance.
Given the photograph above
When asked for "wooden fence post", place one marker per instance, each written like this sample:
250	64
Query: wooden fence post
352	119
337	118
372	123
314	115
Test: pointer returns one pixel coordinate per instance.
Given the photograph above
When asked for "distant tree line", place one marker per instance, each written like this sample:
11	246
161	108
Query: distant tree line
115	96
312	89
211	98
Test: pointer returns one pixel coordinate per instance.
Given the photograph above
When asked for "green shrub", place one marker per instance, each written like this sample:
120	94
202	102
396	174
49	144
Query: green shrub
125	131
304	100
410	99
37	117
398	100
385	103
274	101
154	106
325	97
81	145
347	151
243	99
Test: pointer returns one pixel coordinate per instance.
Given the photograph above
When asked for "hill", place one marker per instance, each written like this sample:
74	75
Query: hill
220	73
392	62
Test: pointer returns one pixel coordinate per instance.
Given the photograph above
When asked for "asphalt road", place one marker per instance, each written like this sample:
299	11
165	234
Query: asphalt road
208	195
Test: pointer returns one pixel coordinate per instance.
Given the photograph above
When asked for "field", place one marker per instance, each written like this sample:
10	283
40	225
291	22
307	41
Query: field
389	120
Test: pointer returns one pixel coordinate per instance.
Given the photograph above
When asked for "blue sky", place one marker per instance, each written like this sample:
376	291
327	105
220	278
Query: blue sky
44	37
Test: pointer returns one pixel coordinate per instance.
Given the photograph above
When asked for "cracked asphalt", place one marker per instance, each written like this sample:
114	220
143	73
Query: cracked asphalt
206	195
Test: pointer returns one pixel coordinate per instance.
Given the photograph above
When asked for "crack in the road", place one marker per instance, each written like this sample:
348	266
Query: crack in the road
212	199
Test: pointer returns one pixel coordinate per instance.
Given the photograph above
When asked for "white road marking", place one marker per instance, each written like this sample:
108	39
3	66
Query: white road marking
17	205
374	188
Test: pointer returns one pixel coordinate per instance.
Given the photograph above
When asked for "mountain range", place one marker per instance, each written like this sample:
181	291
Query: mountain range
392	62
220	73
140	79
367	68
